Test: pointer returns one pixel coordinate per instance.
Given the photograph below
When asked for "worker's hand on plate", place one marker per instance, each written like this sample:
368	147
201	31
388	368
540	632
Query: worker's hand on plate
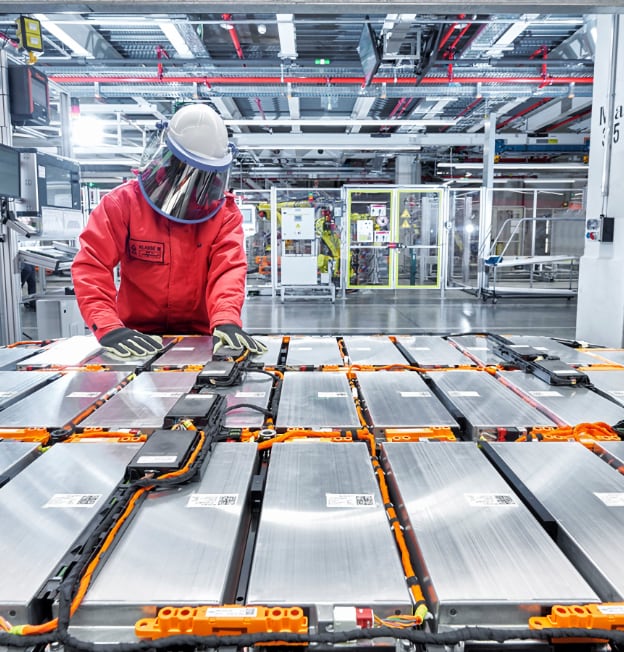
127	343
234	337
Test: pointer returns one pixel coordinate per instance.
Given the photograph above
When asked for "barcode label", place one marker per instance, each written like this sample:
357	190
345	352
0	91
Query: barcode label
545	393
611	498
212	500
164	394
456	393
350	500
414	394
83	395
72	500
231	612
332	394
157	459
250	394
611	610
491	500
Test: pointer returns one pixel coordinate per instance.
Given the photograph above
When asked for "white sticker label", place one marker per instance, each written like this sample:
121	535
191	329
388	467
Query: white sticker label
212	500
216	372
157	459
350	500
361	348
419	348
456	393
332	394
231	612
546	393
491	500
83	395
611	498
6	394
414	394
611	610
73	500
302	348
184	348
165	394
250	394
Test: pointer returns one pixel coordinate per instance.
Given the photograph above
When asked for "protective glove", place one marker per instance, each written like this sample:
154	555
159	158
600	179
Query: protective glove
127	343
232	336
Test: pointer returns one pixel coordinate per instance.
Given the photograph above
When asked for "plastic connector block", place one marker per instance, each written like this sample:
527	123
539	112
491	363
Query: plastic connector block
364	617
223	621
441	433
608	615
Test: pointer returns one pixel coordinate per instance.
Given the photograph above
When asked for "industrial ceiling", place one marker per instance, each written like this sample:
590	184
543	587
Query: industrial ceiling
290	83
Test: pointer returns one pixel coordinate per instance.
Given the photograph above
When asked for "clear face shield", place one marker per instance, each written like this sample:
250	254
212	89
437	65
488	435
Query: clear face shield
180	188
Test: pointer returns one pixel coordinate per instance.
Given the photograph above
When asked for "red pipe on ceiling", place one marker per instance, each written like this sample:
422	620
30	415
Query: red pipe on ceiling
449	31
528	109
233	35
324	81
572	118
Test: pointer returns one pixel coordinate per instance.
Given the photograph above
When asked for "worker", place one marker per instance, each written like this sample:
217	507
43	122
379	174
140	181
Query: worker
177	236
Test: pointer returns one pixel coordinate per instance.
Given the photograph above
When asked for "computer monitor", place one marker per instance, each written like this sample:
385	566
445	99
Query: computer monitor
9	172
369	52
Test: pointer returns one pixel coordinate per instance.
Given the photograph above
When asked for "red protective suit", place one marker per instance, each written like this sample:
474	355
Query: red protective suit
174	278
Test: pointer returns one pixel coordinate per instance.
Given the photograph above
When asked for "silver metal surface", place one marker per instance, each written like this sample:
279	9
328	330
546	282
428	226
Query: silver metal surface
316	399
613	451
485	402
432	351
70	352
188	351
401	399
144	402
10	357
585	497
487	560
610	382
14	456
15	385
274	346
255	389
183	547
112	362
323	537
45	508
313	351
478	347
567	405
373	350
60	402
567	354
607	356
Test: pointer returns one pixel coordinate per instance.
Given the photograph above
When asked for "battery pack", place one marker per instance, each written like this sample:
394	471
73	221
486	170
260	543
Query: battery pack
219	373
200	408
164	451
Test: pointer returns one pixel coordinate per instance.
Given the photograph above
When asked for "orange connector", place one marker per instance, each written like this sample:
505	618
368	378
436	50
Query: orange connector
26	434
418	434
224	621
608	615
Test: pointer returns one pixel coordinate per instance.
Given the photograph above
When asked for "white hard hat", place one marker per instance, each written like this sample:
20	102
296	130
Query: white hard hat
185	177
199	132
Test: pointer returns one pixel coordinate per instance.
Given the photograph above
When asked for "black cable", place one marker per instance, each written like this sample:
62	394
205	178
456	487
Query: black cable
251	406
415	636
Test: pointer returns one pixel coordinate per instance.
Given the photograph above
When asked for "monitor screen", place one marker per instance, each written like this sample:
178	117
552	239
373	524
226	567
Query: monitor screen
369	53
9	172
